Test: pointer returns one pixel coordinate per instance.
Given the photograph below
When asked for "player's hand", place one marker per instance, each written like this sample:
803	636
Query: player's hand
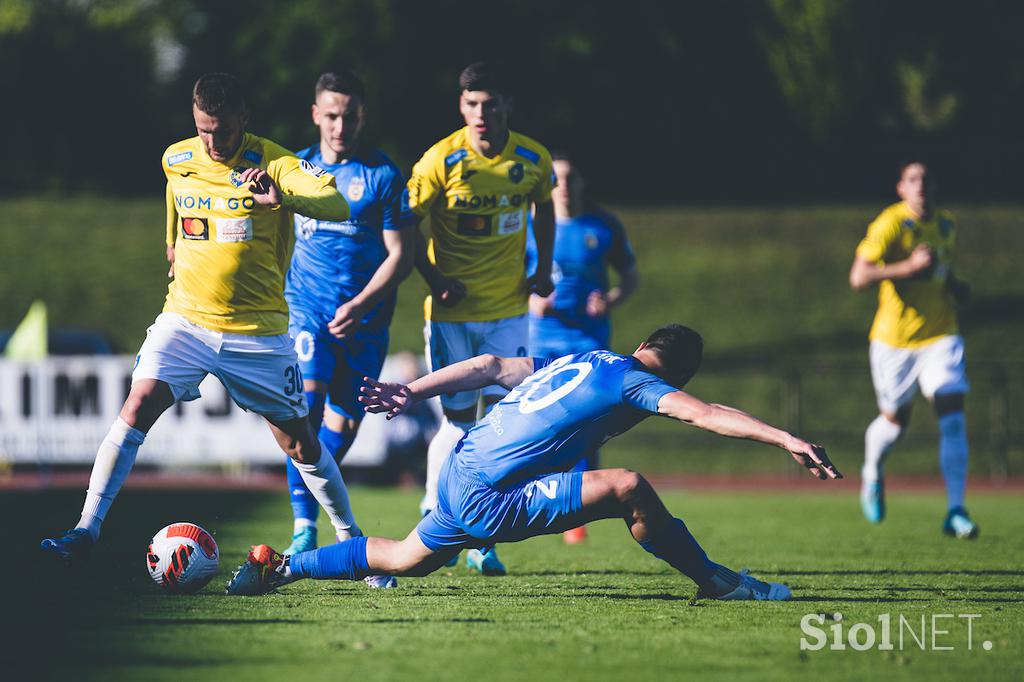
920	259
262	186
346	319
540	283
540	306
597	304
813	458
385	397
448	291
170	259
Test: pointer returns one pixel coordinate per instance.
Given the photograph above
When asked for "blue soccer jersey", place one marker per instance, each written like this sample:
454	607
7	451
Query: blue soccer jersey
562	412
333	261
584	248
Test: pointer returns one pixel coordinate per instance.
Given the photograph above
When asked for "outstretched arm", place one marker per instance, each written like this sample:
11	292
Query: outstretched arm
864	273
468	375
728	421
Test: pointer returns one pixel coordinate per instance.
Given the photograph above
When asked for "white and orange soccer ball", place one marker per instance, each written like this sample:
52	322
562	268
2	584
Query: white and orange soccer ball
182	558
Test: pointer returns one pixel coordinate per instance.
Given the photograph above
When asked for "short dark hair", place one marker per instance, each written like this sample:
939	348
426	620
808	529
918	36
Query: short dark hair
218	93
680	348
485	77
910	161
342	81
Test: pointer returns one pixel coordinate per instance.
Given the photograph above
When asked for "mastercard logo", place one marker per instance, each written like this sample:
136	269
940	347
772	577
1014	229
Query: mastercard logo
195	228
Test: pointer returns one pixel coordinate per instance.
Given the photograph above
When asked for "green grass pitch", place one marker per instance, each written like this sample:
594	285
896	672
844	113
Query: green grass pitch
602	611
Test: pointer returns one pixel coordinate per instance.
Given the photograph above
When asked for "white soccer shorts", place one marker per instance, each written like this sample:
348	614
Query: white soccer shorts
451	342
936	368
260	373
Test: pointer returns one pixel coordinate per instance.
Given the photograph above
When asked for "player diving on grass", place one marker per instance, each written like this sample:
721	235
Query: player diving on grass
230	195
341	284
507	480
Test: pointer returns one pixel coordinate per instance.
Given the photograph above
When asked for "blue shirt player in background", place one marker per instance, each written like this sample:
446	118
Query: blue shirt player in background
341	285
508	479
575	317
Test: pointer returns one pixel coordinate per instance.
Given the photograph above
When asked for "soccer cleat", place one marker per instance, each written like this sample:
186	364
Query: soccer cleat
959	524
575	536
74	546
872	500
486	563
750	588
304	540
258	575
381	582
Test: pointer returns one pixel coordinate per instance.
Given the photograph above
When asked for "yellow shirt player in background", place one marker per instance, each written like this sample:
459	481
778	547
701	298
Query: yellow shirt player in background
478	187
229	197
915	341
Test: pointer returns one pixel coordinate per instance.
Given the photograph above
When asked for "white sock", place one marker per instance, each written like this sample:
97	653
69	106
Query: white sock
879	438
302	524
447	436
324	480
114	459
953	456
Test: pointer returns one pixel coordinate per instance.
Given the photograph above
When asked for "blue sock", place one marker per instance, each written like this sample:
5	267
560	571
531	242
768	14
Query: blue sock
344	560
304	505
316	402
675	545
334	443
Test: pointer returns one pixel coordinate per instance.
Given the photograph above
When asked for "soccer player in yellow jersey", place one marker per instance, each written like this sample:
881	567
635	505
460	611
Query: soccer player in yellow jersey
230	195
477	187
915	342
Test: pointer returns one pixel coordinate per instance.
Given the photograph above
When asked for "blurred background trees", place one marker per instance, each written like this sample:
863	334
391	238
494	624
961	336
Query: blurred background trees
739	101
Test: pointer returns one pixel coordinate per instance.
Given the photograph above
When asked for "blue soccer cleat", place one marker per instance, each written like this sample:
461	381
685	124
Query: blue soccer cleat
304	540
74	546
959	524
752	589
485	562
259	574
381	582
872	500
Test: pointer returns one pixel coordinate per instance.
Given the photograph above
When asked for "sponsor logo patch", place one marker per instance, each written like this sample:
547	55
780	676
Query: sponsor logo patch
510	222
178	158
474	225
253	156
234	229
195	228
315	171
528	154
455	157
356	188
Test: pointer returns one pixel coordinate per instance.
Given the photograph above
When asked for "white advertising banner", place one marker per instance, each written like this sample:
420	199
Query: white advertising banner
59	409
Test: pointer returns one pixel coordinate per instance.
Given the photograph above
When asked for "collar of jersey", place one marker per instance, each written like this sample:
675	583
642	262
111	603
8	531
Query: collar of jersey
503	155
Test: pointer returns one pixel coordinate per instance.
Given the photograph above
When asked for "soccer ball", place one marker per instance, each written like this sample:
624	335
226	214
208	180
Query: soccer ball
182	558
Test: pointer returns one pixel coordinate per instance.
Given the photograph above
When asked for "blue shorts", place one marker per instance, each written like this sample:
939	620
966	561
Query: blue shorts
470	513
550	337
339	363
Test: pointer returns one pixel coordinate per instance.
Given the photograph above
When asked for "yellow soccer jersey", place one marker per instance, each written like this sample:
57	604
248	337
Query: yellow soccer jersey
478	208
912	312
231	253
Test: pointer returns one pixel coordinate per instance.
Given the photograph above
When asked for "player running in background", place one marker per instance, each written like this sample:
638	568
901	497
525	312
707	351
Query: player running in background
915	342
507	480
575	317
229	198
477	187
342	282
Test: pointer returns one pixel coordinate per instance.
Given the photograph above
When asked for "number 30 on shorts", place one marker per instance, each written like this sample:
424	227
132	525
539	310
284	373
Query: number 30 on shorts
292	380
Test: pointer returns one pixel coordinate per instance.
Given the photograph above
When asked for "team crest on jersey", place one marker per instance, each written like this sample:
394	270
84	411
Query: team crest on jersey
515	172
356	188
195	229
178	158
236	176
315	171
